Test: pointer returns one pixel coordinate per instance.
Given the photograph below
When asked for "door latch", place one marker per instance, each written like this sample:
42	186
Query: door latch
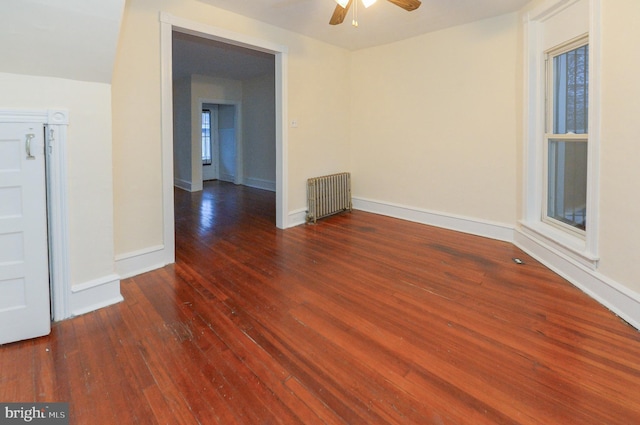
30	137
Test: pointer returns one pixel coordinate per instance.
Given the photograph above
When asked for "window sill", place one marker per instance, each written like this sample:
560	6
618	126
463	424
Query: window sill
566	244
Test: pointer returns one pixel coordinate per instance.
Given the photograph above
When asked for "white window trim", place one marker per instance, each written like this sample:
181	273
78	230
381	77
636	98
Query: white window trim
582	249
549	106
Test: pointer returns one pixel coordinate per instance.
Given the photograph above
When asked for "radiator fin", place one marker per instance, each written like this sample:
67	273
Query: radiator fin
328	195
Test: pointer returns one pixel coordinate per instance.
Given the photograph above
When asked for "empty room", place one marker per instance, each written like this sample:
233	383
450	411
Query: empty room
319	212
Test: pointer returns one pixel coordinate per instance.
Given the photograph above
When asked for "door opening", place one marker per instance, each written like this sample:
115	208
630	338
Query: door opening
169	24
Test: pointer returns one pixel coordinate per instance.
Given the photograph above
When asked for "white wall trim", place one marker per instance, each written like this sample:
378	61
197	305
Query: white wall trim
182	184
263	184
95	294
229	178
297	217
560	243
199	29
56	121
142	261
613	295
499	231
166	105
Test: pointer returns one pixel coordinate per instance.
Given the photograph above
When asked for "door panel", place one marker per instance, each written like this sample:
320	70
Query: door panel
24	268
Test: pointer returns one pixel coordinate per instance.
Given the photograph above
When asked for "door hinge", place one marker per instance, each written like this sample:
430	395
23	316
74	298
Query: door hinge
50	139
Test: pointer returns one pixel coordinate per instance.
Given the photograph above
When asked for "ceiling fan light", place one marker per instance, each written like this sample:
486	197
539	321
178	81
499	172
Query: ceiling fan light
343	3
368	3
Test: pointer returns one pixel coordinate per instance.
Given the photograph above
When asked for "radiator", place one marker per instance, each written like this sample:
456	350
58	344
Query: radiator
328	195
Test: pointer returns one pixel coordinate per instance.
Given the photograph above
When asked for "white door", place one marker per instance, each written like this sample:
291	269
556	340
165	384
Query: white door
24	267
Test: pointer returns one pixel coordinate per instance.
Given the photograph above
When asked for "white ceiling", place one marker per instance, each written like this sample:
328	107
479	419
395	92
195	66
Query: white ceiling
381	23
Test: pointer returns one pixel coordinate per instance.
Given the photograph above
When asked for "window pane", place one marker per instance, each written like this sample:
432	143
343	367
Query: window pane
567	191
206	138
571	91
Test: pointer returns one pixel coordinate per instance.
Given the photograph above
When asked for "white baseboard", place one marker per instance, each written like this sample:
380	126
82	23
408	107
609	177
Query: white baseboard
96	294
297	217
138	262
182	184
616	297
499	231
229	178
260	184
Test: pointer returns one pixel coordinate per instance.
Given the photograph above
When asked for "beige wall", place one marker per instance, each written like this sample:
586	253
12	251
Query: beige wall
620	149
89	173
259	131
434	121
318	98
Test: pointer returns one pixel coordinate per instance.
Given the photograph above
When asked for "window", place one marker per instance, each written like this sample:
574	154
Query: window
566	136
561	173
206	137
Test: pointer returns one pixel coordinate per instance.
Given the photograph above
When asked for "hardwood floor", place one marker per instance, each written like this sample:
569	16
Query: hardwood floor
360	319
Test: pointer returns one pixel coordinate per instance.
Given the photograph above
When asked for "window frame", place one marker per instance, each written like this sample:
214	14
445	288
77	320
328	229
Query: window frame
550	135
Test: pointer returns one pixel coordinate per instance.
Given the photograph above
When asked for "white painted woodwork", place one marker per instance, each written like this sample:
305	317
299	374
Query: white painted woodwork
24	267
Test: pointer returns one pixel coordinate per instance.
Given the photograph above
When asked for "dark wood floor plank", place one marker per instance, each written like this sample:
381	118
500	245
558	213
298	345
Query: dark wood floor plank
360	319
170	355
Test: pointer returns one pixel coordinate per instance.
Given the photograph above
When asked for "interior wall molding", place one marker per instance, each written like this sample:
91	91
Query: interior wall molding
182	184
297	217
141	261
93	295
263	184
498	231
620	300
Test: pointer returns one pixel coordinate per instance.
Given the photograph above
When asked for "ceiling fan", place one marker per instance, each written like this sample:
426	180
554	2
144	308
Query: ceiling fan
343	8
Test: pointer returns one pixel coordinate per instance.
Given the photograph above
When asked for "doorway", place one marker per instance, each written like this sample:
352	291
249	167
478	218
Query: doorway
170	23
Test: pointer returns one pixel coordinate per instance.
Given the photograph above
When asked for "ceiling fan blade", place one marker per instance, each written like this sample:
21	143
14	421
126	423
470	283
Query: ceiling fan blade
340	13
407	4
